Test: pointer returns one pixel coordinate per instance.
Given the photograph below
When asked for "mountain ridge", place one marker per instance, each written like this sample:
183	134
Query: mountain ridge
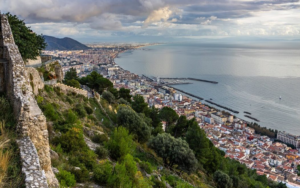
65	43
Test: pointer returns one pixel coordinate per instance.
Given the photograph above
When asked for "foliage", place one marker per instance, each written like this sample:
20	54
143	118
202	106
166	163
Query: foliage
120	143
65	178
100	138
82	174
80	110
263	130
72	83
168	114
222	180
108	96
123	101
71	74
48	88
96	81
102	172
125	94
71	140
135	124
29	43
126	175
138	104
174	151
6	113
146	166
101	152
88	110
50	112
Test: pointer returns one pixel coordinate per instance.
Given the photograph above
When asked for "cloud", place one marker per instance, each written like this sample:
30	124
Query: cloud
162	14
171	18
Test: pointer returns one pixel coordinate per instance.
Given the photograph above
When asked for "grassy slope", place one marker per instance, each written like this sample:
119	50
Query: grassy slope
146	159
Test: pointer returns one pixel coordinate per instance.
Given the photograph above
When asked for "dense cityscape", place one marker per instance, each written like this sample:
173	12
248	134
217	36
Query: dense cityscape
230	134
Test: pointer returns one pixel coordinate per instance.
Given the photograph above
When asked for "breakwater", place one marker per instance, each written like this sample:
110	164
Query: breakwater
247	112
148	78
252	118
194	79
192	95
224	107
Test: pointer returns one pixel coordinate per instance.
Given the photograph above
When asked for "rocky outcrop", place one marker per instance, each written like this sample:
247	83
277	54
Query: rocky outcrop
35	79
31	123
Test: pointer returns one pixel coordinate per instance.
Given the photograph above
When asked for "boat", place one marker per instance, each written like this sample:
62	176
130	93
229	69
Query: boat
211	99
279	97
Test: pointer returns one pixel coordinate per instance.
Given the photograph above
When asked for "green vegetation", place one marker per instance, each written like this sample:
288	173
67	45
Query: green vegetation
10	163
132	149
263	130
29	43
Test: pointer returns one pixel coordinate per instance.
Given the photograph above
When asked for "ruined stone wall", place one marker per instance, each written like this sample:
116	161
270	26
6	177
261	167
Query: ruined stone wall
32	128
65	88
35	79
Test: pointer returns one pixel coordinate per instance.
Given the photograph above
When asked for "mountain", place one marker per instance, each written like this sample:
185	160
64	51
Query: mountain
63	44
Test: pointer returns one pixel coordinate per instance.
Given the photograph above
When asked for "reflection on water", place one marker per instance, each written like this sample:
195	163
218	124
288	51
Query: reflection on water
251	78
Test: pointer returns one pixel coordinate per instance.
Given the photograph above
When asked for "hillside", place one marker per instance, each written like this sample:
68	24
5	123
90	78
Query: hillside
63	44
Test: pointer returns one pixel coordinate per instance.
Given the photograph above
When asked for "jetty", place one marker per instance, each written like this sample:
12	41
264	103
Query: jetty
148	78
193	79
252	118
221	106
192	95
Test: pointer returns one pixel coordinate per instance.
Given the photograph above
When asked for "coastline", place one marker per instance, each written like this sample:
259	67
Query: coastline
218	107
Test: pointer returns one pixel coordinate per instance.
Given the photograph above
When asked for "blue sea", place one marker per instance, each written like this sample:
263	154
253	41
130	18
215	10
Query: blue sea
251	76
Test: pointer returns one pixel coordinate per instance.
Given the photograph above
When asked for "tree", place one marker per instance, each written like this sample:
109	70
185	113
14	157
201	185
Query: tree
135	124
198	142
72	83
29	43
174	151
126	175
169	115
180	127
120	143
222	180
108	96
138	104
125	94
71	74
96	81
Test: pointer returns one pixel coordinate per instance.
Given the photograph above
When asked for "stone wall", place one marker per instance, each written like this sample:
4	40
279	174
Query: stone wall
64	88
35	79
31	123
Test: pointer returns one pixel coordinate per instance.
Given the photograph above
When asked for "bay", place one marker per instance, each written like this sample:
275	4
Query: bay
251	76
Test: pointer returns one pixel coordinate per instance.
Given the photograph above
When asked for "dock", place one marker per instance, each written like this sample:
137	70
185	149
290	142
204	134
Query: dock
221	106
193	79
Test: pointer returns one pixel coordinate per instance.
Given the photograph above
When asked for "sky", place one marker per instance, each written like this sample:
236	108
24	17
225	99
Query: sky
159	20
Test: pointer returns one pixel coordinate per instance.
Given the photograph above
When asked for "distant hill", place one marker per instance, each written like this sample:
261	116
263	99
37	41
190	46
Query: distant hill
63	44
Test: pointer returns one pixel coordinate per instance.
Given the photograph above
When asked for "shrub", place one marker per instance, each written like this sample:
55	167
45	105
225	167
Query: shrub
82	174
69	100
83	156
102	173
71	117
71	140
108	96
39	99
91	117
146	166
101	152
158	184
57	91
66	178
100	138
50	112
48	88
120	143
79	109
88	110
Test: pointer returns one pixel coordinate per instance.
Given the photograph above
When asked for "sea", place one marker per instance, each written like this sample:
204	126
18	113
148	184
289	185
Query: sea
251	76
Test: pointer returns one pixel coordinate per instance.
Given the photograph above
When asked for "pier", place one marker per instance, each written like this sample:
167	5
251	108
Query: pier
224	107
252	118
194	79
192	95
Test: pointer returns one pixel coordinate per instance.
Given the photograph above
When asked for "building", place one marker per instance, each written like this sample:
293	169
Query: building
289	138
219	118
177	97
